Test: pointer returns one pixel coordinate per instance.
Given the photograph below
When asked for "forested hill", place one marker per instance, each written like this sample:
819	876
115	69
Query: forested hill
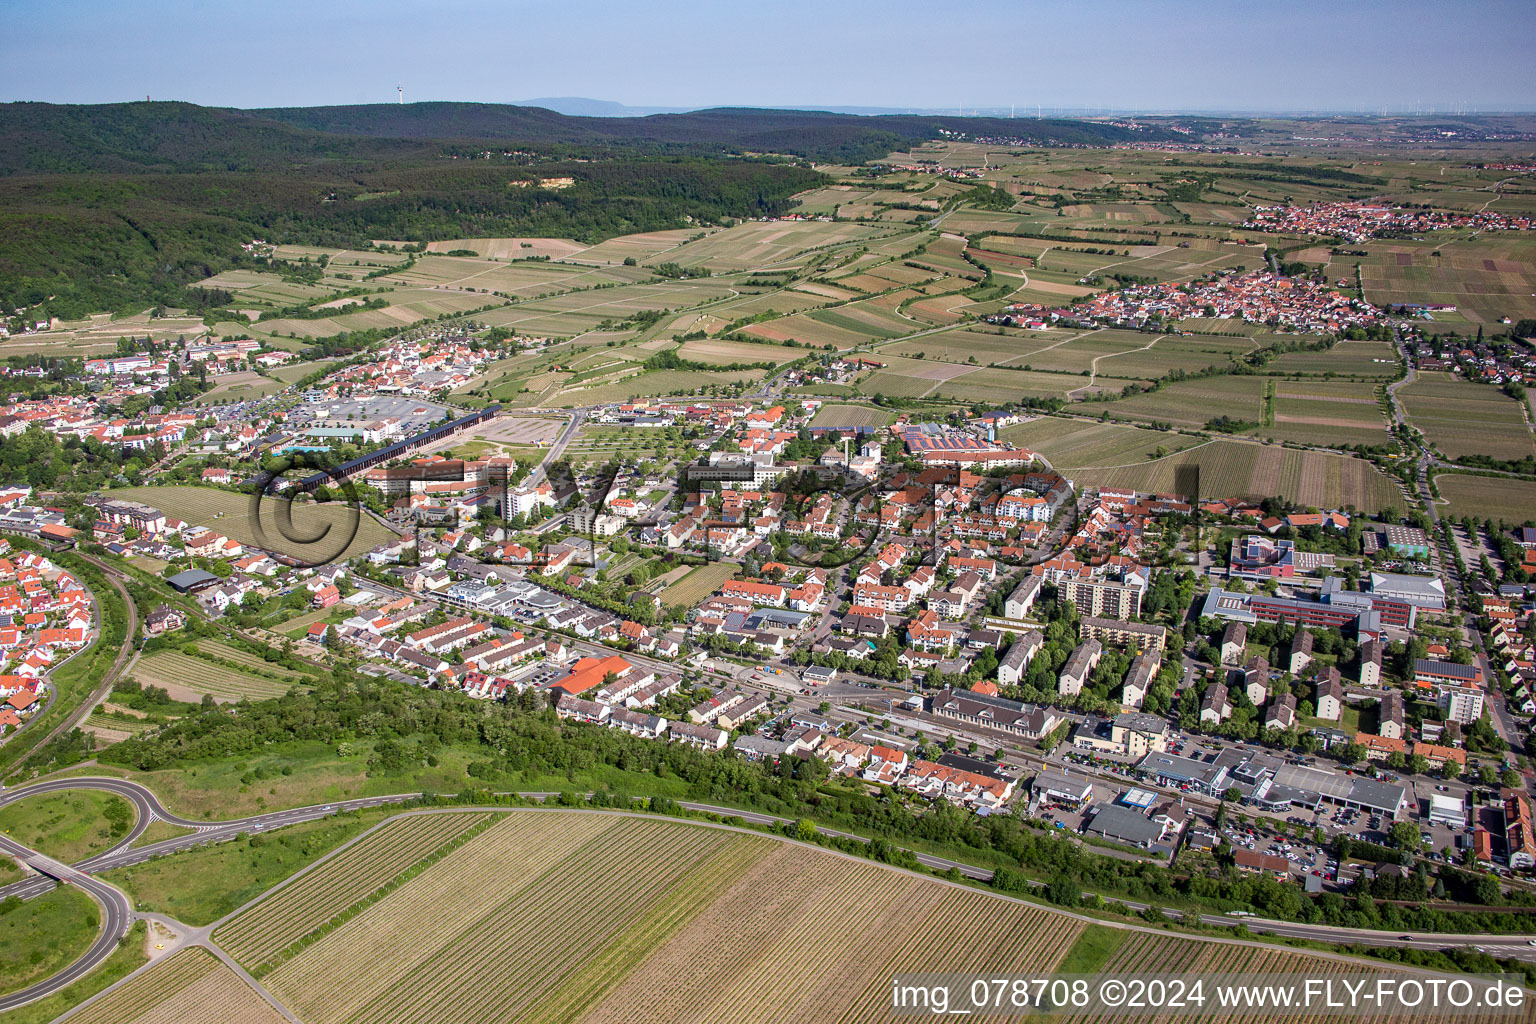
134	137
49	138
812	134
120	206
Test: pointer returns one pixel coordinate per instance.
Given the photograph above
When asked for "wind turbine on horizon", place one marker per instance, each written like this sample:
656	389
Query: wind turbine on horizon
399	88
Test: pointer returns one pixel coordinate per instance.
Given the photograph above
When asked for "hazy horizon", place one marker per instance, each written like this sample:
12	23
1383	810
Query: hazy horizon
1157	56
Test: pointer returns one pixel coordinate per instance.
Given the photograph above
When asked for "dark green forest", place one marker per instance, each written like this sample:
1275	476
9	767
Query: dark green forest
120	206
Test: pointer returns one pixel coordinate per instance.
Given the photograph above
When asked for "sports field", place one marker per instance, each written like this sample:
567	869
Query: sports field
1462	418
315	533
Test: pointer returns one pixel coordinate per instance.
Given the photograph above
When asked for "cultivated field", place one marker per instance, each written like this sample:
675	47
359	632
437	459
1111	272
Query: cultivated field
1073	444
511	248
1235	469
1326	413
1347	359
757	244
1194	403
566	916
649	384
318	532
190	987
1462	418
698	584
1496	498
724	353
262	933
712	927
851	416
187	677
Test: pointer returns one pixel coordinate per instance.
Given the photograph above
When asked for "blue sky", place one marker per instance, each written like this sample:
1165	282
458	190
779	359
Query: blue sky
1135	54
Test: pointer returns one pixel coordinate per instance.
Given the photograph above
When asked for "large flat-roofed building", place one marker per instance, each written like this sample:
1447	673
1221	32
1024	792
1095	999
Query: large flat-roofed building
1447	809
1125	825
1426	592
1335	608
1185	772
1433	672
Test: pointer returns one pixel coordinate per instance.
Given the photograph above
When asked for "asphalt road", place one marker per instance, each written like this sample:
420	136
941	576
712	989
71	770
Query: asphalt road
117	916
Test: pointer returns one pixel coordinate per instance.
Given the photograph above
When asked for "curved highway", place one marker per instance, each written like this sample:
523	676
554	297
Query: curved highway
119	914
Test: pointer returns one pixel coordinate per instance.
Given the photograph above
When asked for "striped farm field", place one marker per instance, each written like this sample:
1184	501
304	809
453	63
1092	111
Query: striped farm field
561	916
1327	413
1072	444
357	872
1193	403
187	677
1235	469
1461	418
698	584
191	987
1498	498
586	916
832	415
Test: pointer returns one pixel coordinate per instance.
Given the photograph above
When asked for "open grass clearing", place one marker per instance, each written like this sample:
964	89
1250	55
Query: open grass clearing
322	530
44	935
202	884
68	827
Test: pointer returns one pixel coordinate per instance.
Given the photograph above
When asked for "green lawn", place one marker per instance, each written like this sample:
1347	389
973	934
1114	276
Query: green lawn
127	958
159	832
66	826
1349	721
1092	950
201	885
41	936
